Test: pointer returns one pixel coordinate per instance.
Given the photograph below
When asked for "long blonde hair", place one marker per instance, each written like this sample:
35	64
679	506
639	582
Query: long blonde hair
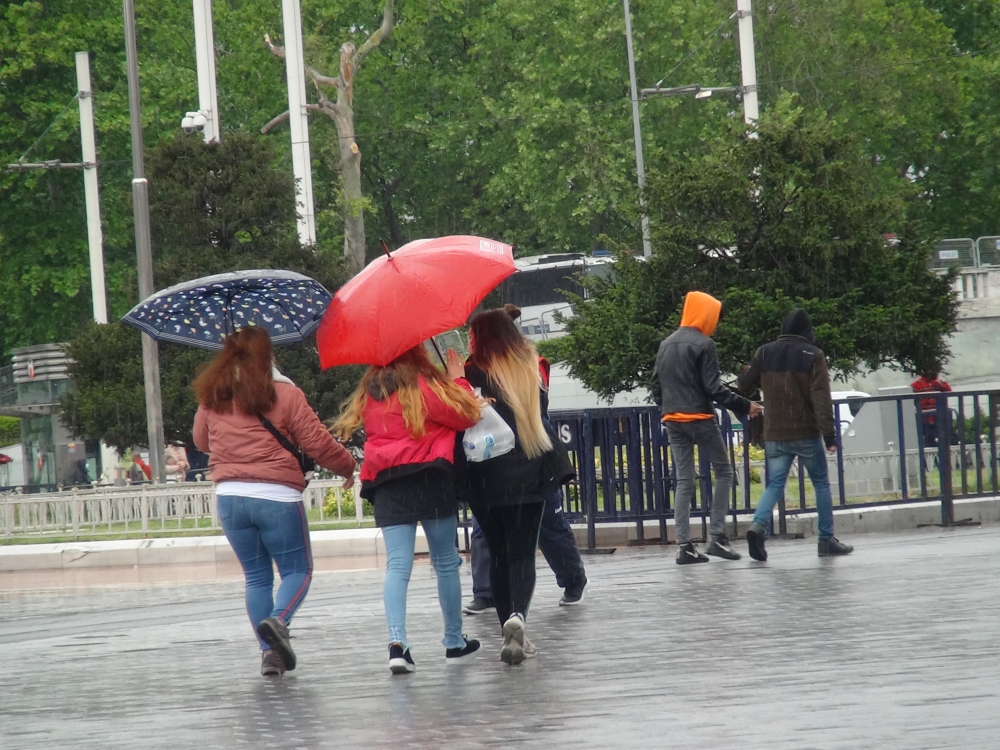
402	377
510	362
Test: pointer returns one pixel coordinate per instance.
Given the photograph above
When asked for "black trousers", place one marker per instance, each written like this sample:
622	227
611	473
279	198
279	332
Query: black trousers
512	535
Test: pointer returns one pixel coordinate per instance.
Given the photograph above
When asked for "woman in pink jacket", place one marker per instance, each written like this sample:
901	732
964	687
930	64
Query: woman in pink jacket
259	483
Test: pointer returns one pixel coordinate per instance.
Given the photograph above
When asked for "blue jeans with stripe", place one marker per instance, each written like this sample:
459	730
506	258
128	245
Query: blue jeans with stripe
264	532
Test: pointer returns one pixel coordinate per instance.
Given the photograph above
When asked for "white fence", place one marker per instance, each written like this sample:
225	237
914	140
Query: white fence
175	507
875	475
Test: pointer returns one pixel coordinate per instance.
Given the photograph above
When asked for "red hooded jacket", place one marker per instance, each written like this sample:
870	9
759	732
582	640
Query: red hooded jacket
389	447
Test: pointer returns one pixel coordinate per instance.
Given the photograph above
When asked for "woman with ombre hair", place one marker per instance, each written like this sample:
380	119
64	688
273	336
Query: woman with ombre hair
411	413
507	493
244	403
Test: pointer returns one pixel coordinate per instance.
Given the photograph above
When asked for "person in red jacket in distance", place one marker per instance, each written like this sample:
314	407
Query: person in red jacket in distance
411	413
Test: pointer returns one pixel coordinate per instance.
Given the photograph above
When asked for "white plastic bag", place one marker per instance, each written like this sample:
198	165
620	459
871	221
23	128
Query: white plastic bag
489	437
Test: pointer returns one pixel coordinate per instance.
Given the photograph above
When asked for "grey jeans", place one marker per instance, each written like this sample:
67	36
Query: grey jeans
704	433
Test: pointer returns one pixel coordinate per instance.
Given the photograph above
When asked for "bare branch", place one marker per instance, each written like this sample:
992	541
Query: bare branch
319	78
377	38
276	51
284	116
316	76
276	121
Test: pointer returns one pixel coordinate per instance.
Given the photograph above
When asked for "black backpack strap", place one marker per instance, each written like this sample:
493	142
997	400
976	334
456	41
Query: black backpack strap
285	442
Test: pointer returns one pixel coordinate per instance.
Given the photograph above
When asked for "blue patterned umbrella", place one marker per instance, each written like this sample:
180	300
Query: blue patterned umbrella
203	311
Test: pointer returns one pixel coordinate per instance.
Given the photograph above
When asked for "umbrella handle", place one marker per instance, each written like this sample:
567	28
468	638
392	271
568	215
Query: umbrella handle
435	343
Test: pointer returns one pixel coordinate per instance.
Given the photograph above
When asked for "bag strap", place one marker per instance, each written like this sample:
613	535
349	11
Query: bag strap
285	442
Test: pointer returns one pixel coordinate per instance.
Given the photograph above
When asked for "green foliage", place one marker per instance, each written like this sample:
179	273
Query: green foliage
213	208
10	430
348	508
793	217
507	118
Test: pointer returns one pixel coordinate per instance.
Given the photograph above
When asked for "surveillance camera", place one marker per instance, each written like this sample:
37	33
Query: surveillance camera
194	122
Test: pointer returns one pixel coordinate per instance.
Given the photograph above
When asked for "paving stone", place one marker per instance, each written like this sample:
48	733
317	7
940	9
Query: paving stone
894	647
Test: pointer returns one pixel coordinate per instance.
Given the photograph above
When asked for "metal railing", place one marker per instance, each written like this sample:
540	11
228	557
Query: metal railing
965	253
626	472
180	508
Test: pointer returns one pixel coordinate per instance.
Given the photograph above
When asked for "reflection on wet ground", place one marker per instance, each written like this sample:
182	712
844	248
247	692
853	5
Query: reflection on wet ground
894	647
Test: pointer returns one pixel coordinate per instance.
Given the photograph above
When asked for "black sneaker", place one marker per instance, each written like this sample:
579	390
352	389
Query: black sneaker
573	595
755	541
275	634
689	554
833	546
720	548
478	605
271	664
457	655
400	661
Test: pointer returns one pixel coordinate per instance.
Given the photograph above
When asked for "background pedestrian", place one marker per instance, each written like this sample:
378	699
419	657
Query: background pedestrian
793	375
686	385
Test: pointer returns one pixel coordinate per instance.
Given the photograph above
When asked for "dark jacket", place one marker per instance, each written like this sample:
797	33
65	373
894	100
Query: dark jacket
686	377
511	479
792	374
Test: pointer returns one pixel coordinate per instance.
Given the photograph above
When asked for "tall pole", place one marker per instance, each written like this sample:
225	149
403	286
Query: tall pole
295	72
144	254
748	62
90	187
640	167
204	45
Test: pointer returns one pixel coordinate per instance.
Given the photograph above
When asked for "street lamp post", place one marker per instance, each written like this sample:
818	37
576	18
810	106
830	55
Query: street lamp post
640	167
144	253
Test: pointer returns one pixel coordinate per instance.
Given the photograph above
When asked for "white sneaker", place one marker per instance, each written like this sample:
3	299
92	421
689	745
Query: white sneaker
513	640
530	652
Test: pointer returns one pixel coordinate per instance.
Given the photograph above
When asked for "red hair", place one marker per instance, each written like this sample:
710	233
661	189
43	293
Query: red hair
240	374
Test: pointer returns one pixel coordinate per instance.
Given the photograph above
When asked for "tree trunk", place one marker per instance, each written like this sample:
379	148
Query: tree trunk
342	114
350	173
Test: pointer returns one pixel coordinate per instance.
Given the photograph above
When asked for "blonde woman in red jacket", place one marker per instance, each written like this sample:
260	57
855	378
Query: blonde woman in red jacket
411	413
258	483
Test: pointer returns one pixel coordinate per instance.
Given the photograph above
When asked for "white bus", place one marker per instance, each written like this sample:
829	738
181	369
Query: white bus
539	288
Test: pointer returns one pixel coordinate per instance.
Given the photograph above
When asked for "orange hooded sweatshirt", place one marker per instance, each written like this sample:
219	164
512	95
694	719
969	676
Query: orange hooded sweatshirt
700	311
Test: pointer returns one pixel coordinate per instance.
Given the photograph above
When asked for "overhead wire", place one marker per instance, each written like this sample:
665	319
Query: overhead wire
45	132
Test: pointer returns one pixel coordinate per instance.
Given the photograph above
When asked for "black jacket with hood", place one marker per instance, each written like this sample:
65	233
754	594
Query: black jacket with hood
686	376
792	374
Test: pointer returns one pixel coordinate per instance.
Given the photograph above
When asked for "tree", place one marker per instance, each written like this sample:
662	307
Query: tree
793	217
342	114
214	208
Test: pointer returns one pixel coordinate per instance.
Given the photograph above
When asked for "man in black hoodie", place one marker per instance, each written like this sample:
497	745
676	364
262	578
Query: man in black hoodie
793	376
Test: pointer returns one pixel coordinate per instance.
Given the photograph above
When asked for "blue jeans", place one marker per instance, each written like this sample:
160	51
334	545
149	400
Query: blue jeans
264	532
399	544
780	455
555	540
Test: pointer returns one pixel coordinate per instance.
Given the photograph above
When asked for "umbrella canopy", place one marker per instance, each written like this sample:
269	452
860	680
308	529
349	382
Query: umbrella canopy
203	311
400	300
5	459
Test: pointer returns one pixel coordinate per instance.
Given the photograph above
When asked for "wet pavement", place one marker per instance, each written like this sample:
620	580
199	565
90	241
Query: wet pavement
897	646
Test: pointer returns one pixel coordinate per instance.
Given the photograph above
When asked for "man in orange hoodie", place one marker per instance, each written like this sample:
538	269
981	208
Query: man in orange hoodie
686	385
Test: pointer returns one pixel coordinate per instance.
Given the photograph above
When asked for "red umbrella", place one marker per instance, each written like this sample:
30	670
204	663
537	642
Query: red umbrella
400	300
5	459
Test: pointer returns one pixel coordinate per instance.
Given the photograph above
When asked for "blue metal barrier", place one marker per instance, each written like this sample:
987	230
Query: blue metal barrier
625	470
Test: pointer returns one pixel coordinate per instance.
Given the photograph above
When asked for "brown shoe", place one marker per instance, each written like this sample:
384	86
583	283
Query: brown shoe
271	664
275	634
